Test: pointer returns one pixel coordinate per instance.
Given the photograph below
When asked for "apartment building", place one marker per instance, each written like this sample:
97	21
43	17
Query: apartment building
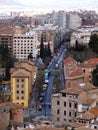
74	74
10	112
61	19
74	20
7	34
49	34
69	104
22	81
82	36
87	67
24	44
78	72
65	106
6	37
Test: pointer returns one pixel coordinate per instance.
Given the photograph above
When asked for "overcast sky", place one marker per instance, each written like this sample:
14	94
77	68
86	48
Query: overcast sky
49	4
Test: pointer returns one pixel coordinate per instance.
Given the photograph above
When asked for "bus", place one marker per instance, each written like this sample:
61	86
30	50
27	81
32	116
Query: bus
47	74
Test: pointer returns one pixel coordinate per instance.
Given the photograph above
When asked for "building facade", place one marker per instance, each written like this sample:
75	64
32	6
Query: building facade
24	44
22	81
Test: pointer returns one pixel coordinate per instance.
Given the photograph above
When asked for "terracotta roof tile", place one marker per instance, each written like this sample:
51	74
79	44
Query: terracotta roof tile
21	73
76	124
89	101
94	111
72	90
68	60
86	116
83	65
49	128
76	72
91	61
7	30
11	104
86	86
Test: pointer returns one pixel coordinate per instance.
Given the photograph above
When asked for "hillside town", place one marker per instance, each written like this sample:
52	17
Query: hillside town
49	70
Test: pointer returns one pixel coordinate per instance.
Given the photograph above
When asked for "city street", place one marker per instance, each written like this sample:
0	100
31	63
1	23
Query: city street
44	109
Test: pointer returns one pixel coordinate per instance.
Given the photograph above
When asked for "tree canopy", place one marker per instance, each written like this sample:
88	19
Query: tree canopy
6	59
95	76
93	43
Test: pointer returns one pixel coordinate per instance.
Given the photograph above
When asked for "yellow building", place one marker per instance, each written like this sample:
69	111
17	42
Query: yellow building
22	80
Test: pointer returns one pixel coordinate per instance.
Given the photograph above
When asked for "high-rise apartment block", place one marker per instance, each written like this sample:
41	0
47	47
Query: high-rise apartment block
24	45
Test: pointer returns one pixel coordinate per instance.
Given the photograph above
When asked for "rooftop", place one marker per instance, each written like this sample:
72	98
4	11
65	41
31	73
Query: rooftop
86	116
72	90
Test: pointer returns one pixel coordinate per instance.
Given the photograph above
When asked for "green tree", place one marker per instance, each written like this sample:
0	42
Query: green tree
95	76
7	60
76	45
40	81
49	50
72	128
30	57
93	43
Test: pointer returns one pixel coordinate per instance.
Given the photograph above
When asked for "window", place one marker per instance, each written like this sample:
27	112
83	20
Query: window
75	105
58	111
75	114
22	97
22	91
17	85
22	86
17	80
95	127
64	103
70	113
22	80
64	94
17	98
58	102
58	119
69	104
22	103
17	91
83	70
64	112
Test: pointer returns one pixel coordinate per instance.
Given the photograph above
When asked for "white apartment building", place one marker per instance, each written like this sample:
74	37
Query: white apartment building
61	19
82	36
75	21
25	44
49	34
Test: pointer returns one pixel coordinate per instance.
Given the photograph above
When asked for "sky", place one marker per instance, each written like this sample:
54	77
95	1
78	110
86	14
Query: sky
48	5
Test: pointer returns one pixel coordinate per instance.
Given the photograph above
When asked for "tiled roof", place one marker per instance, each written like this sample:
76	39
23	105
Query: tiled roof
94	111
86	86
24	66
72	90
89	101
86	116
68	60
76	72
76	124
91	61
7	30
84	128
10	104
21	73
49	128
88	65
